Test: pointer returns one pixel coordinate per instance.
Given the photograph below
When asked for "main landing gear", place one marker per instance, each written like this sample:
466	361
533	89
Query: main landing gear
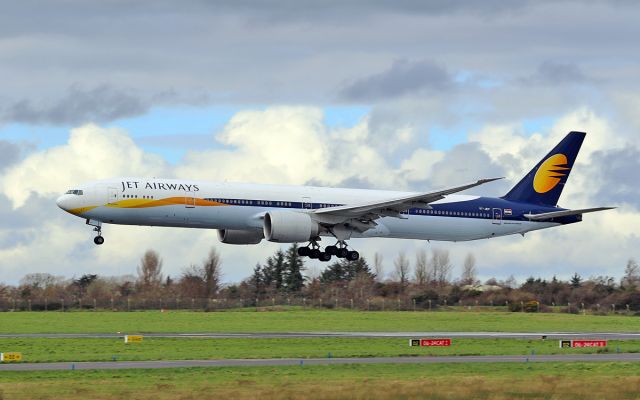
97	227
312	250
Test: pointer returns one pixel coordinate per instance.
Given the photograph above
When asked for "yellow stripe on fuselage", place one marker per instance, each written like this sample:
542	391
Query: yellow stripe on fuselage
147	203
81	210
168	201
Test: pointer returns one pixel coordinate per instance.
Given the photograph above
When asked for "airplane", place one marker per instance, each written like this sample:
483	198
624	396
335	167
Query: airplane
245	214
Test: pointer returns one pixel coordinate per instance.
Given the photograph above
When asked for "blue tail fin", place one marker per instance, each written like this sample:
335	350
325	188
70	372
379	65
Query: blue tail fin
544	183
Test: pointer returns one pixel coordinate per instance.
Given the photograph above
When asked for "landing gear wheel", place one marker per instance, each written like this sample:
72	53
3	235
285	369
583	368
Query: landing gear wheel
342	253
97	228
331	250
353	255
315	253
303	251
324	256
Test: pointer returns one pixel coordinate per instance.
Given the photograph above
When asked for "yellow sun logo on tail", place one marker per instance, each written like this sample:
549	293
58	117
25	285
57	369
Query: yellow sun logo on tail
550	172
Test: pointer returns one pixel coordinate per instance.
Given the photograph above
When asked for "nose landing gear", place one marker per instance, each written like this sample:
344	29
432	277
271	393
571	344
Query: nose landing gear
97	227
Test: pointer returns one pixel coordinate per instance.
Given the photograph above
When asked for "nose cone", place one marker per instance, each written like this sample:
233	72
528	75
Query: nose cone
62	202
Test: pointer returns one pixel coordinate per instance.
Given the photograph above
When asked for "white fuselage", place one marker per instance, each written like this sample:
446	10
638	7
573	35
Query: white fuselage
235	206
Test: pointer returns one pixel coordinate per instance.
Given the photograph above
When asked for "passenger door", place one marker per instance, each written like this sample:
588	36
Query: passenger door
306	203
189	199
112	195
497	216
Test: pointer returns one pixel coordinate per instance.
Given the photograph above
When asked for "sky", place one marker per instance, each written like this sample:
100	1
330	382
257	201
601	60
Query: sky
400	95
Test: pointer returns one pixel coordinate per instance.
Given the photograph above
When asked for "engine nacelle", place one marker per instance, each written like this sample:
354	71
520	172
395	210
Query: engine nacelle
289	227
232	236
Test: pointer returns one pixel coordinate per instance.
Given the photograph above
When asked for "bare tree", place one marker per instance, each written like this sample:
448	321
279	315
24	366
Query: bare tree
402	268
511	282
150	270
421	268
202	281
378	267
191	282
40	280
469	270
441	264
631	273
211	272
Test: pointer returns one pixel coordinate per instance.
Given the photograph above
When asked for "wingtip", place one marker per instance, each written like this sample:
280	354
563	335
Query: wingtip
491	179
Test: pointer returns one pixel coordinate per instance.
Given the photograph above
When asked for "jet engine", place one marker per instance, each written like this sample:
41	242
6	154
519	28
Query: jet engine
233	236
289	227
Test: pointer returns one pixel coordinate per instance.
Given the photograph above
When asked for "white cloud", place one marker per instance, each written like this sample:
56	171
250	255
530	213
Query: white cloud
49	248
419	166
91	153
292	145
289	145
507	144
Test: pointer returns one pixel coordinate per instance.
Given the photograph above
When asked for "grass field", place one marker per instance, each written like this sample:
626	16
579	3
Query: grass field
308	320
89	349
389	381
392	381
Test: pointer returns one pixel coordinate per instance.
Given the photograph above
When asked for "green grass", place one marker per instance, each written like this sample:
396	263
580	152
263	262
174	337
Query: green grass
308	320
90	349
391	381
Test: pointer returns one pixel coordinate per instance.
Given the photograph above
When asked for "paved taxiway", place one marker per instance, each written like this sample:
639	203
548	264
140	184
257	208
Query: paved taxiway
284	335
627	357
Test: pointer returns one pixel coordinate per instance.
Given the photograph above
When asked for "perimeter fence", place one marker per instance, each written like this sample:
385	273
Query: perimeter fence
130	304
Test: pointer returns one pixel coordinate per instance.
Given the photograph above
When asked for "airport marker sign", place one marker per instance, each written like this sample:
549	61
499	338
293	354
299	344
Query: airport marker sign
10	356
446	342
582	343
133	338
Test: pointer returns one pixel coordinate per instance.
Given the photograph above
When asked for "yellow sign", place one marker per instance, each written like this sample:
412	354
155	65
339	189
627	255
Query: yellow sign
133	338
10	357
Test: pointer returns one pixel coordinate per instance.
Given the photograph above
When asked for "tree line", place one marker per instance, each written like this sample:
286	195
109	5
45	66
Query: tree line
424	282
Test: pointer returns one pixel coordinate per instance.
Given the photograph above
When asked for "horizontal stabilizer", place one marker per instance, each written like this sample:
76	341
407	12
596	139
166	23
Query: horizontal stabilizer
565	213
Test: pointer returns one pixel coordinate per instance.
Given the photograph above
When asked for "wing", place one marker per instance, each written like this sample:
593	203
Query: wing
564	213
362	216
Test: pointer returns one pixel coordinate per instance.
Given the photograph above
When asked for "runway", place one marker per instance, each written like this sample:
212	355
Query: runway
294	335
624	357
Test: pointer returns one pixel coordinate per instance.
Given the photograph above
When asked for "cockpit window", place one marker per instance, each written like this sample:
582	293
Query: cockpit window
75	191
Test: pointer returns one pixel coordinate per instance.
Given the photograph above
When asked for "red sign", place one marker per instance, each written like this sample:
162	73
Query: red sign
583	343
435	342
588	343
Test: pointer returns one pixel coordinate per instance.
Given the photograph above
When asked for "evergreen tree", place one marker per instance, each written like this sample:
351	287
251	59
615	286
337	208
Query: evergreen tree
294	265
257	281
81	284
576	281
345	270
273	271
